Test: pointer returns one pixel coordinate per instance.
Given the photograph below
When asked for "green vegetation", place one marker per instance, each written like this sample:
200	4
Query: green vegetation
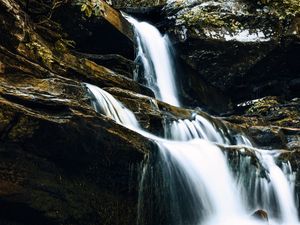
91	7
283	8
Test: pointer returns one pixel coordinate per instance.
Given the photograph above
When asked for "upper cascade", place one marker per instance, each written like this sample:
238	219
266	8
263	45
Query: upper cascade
154	53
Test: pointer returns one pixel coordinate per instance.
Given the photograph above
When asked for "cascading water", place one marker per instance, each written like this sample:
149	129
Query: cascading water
204	176
191	179
106	104
154	54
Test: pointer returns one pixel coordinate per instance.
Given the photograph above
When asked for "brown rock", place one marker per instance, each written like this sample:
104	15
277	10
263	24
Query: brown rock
261	215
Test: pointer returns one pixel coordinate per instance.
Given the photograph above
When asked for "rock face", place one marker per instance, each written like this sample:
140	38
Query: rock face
137	3
240	46
271	122
61	163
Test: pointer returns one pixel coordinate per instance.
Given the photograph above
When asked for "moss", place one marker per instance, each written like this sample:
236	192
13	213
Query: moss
5	119
23	128
262	106
276	112
199	16
283	9
43	53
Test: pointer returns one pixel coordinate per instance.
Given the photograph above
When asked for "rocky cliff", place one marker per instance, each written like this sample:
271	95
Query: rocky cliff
62	163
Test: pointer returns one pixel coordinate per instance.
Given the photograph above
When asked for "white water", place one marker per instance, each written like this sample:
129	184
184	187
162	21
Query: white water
106	104
154	53
196	168
282	190
184	130
207	170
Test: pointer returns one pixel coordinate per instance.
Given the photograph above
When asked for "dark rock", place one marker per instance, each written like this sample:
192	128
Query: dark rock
61	163
194	91
261	215
137	3
151	113
91	35
113	62
271	122
266	137
239	47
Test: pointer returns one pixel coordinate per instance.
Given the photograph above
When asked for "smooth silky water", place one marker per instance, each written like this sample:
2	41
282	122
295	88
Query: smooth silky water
191	178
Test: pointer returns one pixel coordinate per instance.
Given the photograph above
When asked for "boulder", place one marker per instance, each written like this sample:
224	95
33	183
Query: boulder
271	122
151	113
114	62
261	215
91	34
239	46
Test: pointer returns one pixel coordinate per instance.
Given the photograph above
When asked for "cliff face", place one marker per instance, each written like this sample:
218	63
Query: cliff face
240	46
62	163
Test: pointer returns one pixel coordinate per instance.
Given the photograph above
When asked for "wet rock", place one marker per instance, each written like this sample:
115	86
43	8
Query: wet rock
151	113
137	3
114	62
194	91
24	45
270	110
91	34
58	156
261	215
61	163
271	122
239	46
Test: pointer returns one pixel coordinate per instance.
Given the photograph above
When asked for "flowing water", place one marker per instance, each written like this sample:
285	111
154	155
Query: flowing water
154	54
191	181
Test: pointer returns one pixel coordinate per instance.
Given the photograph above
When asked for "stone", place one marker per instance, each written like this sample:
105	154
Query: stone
114	62
61	162
238	47
137	3
261	215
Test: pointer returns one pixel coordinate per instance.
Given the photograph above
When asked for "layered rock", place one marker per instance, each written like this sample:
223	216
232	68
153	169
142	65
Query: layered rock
137	3
61	163
240	46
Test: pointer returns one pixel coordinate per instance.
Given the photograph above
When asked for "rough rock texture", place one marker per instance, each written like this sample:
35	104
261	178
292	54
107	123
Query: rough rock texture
240	46
137	3
91	34
271	122
61	163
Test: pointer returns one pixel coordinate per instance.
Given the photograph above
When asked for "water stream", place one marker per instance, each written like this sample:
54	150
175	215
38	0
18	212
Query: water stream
192	179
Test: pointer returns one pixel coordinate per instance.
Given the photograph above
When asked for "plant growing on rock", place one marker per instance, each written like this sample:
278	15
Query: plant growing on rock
92	7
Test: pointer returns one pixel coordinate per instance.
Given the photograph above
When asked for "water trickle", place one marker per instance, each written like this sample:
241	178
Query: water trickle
106	104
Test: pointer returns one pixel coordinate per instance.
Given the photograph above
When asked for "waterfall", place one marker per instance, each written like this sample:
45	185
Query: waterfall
282	190
191	179
105	103
154	54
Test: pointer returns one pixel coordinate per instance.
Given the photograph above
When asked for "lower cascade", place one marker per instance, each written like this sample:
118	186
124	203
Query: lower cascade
191	180
194	180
